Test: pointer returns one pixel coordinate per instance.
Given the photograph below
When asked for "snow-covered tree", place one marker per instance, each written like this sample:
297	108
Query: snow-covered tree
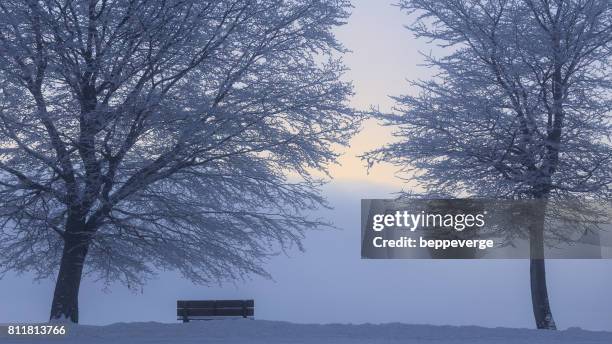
139	135
520	108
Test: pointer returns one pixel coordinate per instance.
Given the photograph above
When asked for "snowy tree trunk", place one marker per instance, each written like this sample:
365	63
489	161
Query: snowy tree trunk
65	305
537	272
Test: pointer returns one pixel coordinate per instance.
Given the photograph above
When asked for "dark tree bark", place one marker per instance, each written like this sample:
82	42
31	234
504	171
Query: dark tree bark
537	272
539	296
65	303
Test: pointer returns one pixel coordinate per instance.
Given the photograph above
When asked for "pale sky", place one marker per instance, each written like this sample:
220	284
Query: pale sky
384	56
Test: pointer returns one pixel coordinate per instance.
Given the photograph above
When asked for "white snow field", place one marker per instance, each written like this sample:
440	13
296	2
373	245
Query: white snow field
270	332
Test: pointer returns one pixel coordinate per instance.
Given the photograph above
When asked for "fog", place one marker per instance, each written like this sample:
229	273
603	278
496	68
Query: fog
330	283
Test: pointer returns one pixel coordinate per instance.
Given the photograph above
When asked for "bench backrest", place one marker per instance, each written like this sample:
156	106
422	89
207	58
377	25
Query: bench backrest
186	309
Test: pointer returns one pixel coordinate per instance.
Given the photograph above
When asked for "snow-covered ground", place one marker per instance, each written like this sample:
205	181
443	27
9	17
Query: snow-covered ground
269	332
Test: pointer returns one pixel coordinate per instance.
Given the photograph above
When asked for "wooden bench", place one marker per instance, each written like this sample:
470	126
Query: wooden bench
213	309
